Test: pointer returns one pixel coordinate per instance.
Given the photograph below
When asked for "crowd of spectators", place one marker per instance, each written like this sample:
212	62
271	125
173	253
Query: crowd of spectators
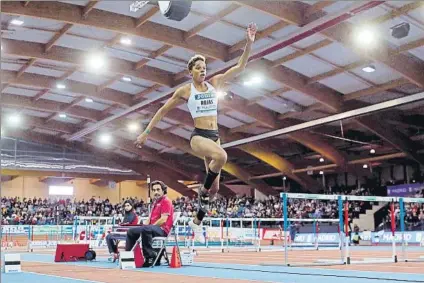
17	211
414	217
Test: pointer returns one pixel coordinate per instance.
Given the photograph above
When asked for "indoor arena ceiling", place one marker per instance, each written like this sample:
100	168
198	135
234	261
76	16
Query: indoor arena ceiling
91	74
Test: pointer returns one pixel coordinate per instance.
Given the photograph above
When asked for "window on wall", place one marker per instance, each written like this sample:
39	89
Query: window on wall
61	190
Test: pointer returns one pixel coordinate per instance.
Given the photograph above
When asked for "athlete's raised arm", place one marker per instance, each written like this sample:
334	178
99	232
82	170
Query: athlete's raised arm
219	80
174	101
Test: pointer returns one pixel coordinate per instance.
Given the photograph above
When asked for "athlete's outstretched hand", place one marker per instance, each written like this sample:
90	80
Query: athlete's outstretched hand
251	32
140	140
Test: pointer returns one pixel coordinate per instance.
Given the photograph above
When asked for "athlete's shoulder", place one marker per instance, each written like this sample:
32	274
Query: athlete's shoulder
182	90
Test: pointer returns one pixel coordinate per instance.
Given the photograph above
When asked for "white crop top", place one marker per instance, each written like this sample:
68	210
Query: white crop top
201	104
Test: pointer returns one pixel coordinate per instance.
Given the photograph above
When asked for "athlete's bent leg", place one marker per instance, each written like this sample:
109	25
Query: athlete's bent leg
217	157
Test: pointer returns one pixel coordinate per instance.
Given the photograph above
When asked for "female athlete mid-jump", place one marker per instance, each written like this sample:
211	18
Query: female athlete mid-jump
202	101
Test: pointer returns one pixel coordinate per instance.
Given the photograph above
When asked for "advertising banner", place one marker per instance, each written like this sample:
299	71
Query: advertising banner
97	233
405	190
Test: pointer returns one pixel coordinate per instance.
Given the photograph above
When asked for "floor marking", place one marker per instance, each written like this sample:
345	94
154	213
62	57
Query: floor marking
64	277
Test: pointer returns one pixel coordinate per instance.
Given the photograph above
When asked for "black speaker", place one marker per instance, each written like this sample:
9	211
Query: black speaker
401	30
175	10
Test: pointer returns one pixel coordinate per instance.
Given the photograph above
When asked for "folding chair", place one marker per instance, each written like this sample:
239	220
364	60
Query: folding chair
161	242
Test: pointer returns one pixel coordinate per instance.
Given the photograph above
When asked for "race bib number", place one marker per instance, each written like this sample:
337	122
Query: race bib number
205	102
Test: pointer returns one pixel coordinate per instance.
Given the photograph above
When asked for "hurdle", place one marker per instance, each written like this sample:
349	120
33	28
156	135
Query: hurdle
342	201
405	256
338	242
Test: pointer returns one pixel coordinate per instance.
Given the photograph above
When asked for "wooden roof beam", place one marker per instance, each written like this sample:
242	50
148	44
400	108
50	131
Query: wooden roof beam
311	141
78	58
21	102
403	64
143	19
330	98
117	23
317	7
87	9
236	48
392	135
290	12
153	55
89	90
56	37
345	34
400	49
66	108
24	68
274	160
211	21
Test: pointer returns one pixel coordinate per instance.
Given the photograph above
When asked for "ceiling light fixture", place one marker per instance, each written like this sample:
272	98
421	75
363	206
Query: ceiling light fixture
366	36
60	86
14	120
105	138
133	127
89	100
96	62
126	41
16	22
126	79
253	81
369	69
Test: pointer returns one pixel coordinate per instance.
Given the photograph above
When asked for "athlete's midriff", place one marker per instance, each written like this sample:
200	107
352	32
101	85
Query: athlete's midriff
206	123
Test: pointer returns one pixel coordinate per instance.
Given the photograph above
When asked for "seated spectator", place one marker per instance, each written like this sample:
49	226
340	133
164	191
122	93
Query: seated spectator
130	218
355	236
